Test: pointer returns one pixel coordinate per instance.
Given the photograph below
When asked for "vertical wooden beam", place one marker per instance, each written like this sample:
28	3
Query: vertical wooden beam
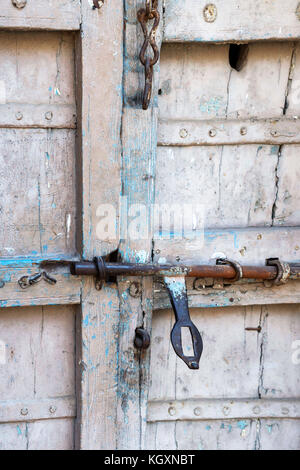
138	175
99	72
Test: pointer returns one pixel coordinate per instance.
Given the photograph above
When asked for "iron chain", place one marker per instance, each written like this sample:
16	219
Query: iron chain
150	12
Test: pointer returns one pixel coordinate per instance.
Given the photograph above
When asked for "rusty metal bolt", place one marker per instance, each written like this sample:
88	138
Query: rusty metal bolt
210	13
19	116
49	115
24	411
19	3
212	132
135	289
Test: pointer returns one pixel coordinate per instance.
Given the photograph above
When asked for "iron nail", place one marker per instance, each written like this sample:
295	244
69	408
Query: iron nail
24	411
212	132
19	116
183	133
243	130
52	409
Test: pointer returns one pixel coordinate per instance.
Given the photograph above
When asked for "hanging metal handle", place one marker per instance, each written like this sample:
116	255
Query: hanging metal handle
176	288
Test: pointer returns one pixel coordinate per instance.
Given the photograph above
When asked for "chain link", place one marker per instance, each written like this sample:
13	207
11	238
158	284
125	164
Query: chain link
150	12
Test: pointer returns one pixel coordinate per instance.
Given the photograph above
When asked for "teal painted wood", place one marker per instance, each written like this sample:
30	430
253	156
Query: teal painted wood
139	140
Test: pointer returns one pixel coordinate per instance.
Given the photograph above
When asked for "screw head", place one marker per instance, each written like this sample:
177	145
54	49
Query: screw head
210	13
212	132
49	115
256	410
197	411
243	130
172	411
24	411
274	133
19	3
52	409
19	116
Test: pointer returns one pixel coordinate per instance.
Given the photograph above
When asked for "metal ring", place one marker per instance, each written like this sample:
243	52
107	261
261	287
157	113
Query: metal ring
235	265
101	271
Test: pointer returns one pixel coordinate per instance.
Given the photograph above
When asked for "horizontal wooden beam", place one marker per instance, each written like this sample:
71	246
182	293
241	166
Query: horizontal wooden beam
61	15
38	116
231	20
33	410
245	245
229	132
67	289
220	409
240	294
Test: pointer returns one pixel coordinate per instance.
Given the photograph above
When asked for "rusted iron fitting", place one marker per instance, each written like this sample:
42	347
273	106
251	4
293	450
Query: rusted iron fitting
144	15
142	338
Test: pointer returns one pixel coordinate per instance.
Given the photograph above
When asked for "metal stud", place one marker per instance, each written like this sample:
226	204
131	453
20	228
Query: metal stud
19	3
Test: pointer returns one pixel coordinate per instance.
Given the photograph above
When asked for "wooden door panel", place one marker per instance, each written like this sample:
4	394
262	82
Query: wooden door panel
234	20
37	375
41	14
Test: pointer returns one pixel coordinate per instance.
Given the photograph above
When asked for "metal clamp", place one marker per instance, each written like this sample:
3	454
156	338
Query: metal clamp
236	266
283	271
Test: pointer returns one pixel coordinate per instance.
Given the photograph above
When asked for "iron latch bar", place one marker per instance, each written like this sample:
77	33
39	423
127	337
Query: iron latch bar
174	279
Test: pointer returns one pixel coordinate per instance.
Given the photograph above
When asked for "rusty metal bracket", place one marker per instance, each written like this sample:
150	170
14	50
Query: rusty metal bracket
27	281
283	271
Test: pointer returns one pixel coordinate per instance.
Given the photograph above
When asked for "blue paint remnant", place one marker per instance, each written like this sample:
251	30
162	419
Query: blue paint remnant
212	106
47	156
19	431
45	248
94	337
208	427
50	88
274	149
269	428
242	425
86	321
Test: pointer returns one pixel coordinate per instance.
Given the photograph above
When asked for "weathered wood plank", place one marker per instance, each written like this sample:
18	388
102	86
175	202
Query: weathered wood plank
197	82
99	65
33	410
228	132
57	434
39	359
247	246
41	14
51	116
239	294
139	131
231	21
37	216
38	69
218	409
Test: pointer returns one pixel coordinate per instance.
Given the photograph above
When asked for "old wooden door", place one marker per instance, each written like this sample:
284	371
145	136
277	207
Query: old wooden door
222	131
